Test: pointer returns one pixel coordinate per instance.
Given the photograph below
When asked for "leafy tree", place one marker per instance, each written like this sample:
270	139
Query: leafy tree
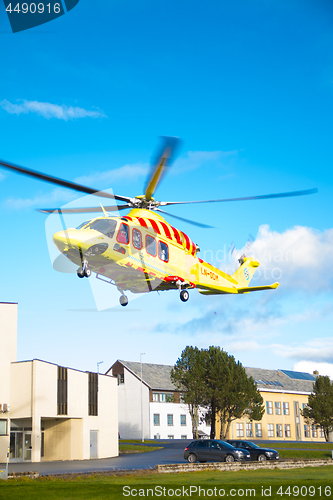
211	378
319	410
188	376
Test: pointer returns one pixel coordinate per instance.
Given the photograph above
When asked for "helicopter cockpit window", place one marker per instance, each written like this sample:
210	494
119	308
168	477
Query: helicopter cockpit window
83	224
105	226
151	245
137	239
163	251
123	234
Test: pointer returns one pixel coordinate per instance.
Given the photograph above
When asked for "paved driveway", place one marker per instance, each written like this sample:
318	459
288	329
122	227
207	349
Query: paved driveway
172	453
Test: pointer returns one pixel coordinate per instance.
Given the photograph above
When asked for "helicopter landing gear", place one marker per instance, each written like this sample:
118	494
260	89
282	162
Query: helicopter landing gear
184	295
123	300
84	271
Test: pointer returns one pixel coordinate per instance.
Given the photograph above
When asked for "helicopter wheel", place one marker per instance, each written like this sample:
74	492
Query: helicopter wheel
123	300
80	273
184	295
87	273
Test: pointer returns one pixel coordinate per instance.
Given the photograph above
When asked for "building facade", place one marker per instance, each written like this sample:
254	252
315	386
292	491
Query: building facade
151	402
285	394
50	412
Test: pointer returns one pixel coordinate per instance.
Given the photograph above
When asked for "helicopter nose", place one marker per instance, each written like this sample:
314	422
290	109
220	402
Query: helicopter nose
61	240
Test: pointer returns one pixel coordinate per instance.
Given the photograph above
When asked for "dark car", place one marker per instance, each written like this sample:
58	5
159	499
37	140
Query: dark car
213	450
256	452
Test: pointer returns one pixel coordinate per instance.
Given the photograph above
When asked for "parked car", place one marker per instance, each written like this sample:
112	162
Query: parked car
256	452
213	450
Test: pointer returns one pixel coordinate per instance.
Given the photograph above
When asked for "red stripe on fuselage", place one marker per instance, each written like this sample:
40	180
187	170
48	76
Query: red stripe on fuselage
155	226
166	230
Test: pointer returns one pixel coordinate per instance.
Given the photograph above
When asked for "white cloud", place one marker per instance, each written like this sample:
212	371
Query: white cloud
298	258
58	195
311	366
319	350
48	110
135	170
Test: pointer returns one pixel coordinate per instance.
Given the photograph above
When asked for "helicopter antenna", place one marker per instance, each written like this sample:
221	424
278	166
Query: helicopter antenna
104	211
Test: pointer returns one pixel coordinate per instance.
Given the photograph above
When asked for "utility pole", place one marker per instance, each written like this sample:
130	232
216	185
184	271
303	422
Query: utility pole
142	437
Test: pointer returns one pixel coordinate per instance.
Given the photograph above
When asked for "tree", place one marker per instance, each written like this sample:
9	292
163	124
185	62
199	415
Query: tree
212	379
188	376
319	410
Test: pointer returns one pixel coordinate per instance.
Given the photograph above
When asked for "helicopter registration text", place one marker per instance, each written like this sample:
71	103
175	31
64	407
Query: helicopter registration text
210	274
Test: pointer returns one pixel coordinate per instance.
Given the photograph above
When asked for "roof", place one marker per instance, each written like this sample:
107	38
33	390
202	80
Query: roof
281	380
157	377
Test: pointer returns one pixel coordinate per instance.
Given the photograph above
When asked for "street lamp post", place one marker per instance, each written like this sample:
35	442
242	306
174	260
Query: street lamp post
142	437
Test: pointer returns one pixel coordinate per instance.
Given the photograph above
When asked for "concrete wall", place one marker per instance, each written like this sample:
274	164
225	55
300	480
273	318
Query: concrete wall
8	339
129	401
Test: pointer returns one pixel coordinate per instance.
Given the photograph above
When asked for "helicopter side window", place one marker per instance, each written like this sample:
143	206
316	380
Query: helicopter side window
151	245
104	226
137	239
163	251
123	234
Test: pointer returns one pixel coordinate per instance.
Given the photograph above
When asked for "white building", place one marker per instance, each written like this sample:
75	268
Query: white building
49	412
155	402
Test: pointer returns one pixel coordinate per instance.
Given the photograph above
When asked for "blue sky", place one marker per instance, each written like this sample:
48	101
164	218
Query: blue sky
248	86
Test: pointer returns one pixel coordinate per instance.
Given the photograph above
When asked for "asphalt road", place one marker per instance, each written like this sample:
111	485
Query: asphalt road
172	453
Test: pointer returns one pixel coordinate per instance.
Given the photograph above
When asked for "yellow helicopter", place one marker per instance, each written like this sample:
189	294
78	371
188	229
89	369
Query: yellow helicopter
141	251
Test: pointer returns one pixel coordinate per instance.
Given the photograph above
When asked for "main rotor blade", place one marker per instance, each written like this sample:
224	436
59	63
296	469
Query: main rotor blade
164	159
61	182
82	210
245	198
199	224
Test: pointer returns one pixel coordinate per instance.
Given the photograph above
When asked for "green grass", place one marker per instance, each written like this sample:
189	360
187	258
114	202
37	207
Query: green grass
138	449
302	446
305	454
108	487
139	441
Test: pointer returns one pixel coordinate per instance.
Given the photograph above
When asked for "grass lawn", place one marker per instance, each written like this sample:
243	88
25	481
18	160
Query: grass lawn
137	449
302	446
310	482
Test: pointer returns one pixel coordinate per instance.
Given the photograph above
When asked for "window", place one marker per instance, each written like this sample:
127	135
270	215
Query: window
258	430
306	431
120	378
170	419
92	394
285	408
279	433
169	398
3	427
270	429
269	407
277	408
137	239
182	419
181	397
287	431
163	251
249	432
171	437
183	436
239	430
162	398
314	431
321	432
62	391
155	397
151	245
156	419
104	226
123	234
